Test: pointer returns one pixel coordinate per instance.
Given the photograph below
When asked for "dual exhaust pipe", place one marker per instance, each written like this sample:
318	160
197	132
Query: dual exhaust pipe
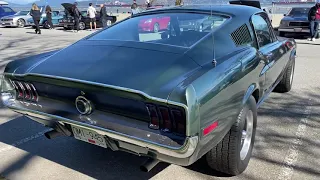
60	130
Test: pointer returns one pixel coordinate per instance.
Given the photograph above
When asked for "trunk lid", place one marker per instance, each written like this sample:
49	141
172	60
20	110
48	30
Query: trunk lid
153	70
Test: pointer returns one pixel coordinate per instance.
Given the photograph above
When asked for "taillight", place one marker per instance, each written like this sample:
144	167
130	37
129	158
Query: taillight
179	120
154	118
167	119
25	91
165	115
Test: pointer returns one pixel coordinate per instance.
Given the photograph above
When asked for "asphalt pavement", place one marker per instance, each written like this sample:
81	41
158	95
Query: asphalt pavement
287	144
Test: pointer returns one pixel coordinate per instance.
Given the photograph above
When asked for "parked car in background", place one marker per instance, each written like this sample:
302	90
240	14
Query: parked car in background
44	22
155	25
174	98
67	20
296	21
6	11
20	19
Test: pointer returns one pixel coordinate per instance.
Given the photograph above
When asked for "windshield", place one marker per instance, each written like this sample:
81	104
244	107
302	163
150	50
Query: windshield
22	13
299	12
179	29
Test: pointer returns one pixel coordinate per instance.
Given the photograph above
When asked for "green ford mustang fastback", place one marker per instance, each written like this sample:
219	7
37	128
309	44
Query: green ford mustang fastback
189	90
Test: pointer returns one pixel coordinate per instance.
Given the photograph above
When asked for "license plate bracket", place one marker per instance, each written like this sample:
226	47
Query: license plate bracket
89	136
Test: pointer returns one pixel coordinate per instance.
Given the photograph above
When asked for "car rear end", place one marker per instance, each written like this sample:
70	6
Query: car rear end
106	116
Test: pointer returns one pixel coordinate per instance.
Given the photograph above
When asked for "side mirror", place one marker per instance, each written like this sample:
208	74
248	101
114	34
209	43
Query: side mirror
164	35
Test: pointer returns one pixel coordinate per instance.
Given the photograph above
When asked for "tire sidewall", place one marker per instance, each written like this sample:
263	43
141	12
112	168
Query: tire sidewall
250	105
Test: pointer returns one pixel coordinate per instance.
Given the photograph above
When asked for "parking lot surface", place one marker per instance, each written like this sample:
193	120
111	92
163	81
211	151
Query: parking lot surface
287	144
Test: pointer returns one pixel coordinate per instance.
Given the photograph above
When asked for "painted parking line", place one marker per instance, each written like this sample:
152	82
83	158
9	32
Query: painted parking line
23	141
293	152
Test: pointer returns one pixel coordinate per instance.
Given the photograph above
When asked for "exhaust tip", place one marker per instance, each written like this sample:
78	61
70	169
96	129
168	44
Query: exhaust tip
143	169
149	164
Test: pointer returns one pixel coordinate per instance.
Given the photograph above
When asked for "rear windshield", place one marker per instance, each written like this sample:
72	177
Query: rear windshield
179	29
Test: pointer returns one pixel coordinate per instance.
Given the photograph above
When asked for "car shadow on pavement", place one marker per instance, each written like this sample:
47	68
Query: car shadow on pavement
100	163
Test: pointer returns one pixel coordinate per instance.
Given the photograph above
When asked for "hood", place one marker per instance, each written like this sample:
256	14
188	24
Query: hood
155	72
295	18
68	7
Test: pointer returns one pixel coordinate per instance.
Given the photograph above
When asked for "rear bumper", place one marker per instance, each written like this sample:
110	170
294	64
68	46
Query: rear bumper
183	155
294	30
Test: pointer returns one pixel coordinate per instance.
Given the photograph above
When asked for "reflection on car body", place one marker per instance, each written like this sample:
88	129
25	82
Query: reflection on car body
173	96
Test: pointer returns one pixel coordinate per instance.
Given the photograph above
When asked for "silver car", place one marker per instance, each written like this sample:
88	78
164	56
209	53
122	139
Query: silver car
17	20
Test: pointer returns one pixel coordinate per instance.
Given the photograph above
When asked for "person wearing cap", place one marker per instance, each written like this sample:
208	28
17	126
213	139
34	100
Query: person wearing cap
314	19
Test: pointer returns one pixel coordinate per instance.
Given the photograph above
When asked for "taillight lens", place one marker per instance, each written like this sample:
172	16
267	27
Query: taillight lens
179	120
165	115
167	119
154	118
25	91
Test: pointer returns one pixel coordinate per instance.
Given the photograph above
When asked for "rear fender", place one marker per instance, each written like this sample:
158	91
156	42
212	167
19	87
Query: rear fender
249	92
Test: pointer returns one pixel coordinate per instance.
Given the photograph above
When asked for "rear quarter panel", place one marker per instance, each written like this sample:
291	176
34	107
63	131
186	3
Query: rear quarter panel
217	94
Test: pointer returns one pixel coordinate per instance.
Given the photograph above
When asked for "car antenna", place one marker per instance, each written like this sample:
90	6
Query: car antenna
214	61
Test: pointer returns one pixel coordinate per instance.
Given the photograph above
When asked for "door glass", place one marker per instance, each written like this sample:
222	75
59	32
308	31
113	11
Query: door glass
262	30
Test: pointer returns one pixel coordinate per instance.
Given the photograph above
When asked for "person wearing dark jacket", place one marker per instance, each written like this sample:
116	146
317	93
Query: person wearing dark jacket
76	15
49	16
103	15
314	19
36	15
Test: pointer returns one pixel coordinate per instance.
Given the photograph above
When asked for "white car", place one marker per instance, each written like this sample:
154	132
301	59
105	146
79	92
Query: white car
17	20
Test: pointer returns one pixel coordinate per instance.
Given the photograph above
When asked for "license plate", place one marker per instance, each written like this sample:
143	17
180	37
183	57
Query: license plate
89	136
65	26
297	29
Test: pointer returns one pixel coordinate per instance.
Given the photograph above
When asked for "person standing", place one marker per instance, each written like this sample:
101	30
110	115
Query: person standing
103	15
36	15
49	16
92	15
314	19
76	16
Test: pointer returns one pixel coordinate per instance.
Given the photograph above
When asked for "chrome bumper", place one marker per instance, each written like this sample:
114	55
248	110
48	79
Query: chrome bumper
185	151
295	30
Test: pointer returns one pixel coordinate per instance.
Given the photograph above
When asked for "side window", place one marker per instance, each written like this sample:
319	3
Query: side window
261	28
7	9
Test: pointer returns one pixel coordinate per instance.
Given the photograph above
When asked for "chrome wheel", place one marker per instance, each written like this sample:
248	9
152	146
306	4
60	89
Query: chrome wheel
246	137
82	25
156	28
109	23
200	28
20	23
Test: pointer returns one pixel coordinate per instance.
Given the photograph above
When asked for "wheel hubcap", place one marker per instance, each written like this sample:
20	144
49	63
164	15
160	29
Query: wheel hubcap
20	23
108	23
246	135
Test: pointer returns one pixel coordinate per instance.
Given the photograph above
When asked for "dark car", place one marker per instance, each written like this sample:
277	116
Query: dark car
6	11
170	97
68	21
296	21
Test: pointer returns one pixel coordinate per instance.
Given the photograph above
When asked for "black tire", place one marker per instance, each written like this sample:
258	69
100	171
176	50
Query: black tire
285	84
46	25
282	34
227	156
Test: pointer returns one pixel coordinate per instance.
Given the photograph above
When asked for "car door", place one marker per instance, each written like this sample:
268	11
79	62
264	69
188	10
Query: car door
268	48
